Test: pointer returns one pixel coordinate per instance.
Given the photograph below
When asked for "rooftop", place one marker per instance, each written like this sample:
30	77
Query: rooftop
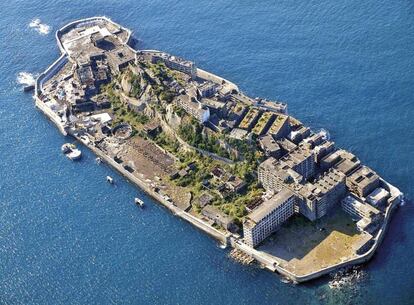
363	176
270	205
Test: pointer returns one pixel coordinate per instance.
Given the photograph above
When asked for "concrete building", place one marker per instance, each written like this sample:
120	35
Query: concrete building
368	216
320	145
264	123
267	217
323	150
363	181
286	145
272	106
120	58
274	176
280	127
193	107
298	135
359	209
207	89
341	160
250	119
175	63
301	160
218	217
236	184
270	146
378	198
316	199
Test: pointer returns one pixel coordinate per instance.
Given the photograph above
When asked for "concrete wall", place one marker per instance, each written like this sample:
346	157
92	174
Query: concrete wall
51	115
49	73
273	264
202	225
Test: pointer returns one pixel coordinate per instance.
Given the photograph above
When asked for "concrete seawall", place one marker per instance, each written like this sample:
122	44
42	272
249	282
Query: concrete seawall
267	260
50	115
273	264
200	224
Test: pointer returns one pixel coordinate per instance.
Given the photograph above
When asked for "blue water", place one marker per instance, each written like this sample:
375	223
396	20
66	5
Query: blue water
67	237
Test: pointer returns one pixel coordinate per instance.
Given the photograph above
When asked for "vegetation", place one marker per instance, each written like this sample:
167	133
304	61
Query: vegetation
196	135
166	142
122	112
193	134
136	89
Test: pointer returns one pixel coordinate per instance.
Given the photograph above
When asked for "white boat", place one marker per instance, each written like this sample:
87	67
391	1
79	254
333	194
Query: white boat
98	160
71	151
75	154
65	148
139	202
109	179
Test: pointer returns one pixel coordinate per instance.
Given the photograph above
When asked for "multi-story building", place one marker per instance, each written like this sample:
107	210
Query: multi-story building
207	89
267	217
368	215
280	127
299	134
218	217
301	160
193	107
269	146
315	199
341	160
175	63
320	145
272	106
363	181
274	176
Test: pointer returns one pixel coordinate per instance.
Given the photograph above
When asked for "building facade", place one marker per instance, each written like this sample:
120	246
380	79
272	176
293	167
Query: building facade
266	219
363	181
316	199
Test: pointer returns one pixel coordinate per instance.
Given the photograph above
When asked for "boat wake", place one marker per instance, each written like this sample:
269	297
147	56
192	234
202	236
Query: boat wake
38	26
26	79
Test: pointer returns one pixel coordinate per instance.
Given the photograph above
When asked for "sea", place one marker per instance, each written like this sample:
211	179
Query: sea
68	237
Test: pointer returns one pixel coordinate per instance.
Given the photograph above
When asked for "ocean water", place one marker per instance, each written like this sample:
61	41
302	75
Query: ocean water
67	237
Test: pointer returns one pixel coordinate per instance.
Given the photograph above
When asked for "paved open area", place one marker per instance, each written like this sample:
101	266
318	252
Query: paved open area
305	246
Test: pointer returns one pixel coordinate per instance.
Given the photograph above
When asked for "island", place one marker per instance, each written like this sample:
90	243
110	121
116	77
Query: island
240	169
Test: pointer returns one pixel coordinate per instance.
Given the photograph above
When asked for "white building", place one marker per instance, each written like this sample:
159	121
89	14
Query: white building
194	108
266	218
175	63
378	198
366	213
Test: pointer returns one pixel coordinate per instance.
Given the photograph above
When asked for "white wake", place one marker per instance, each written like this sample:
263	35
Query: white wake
38	26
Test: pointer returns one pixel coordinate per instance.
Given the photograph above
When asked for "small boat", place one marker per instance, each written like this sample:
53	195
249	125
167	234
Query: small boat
139	202
65	148
74	154
98	160
71	151
109	179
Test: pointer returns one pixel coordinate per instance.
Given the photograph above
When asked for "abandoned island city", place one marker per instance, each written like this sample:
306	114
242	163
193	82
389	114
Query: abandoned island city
240	169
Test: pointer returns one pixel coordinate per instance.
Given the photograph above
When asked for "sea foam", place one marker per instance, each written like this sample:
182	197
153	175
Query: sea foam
26	78
38	26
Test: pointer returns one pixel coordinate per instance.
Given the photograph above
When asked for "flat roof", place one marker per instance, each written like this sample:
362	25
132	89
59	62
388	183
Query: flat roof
270	205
